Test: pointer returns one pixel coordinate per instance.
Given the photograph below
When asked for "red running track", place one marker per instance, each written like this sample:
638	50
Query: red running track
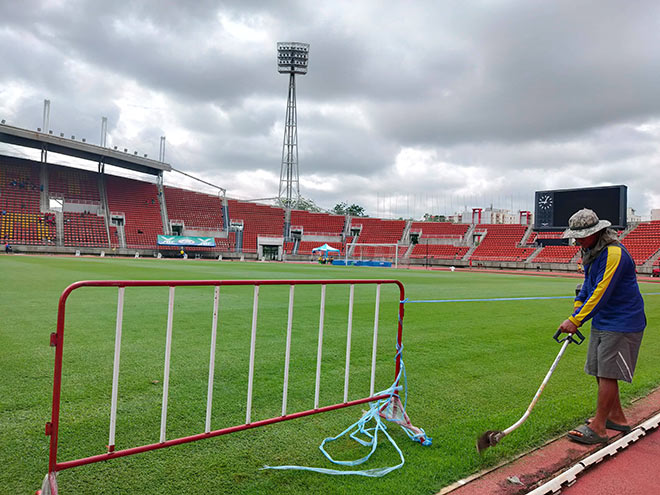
635	471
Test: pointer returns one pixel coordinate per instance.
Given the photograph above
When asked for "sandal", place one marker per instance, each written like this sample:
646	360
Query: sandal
586	435
611	425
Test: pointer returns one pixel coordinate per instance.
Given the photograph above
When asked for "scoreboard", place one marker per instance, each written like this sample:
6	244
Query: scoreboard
552	209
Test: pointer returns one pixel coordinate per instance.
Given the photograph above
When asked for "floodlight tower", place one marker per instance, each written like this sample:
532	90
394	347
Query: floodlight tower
292	58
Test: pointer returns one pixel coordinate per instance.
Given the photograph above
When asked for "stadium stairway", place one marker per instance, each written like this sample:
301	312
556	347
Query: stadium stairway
528	234
536	252
468	253
652	260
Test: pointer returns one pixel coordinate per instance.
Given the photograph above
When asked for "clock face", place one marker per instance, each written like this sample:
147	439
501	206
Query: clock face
545	201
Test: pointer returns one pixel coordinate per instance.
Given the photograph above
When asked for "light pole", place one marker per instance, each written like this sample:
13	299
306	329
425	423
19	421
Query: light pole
292	58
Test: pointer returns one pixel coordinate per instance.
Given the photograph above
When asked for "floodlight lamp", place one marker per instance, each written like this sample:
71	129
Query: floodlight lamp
3	121
292	57
38	128
61	134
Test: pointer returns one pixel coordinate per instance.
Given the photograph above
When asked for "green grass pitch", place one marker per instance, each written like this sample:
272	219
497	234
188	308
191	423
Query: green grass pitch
472	366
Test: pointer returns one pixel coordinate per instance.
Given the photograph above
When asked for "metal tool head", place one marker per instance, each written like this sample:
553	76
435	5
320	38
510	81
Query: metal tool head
489	439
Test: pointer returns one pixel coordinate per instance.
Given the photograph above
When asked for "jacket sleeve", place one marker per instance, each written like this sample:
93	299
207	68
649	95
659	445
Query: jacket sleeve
605	280
580	298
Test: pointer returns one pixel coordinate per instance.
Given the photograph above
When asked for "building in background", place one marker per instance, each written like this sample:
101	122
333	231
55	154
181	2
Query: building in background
631	216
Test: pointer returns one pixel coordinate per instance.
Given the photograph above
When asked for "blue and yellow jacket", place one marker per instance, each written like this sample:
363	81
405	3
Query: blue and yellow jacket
610	294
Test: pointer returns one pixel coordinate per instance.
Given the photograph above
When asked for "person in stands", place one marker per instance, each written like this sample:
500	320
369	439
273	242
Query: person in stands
611	299
8	248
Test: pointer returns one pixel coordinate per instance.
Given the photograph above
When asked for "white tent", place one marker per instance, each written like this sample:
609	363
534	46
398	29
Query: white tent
325	249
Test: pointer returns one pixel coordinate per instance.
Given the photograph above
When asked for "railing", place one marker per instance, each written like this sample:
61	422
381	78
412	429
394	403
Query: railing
57	340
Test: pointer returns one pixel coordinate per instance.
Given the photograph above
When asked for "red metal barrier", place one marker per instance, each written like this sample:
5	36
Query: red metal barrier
57	341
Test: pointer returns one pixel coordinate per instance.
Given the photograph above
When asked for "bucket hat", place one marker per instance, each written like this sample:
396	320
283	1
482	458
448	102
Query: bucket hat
583	223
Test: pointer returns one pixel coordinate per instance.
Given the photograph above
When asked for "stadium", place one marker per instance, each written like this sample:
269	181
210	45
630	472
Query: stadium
156	337
96	213
107	227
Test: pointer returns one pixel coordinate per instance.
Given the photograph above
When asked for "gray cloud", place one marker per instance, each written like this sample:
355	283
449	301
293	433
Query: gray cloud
419	100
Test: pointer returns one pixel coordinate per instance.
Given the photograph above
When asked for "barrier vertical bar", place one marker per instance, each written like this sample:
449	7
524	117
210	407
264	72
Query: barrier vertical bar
375	346
348	341
253	338
287	356
166	377
214	331
319	352
115	369
399	333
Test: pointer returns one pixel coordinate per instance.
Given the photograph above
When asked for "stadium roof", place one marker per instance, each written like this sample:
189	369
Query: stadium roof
86	151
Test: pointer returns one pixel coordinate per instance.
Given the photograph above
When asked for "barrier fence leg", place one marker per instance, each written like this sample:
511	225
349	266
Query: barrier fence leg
49	485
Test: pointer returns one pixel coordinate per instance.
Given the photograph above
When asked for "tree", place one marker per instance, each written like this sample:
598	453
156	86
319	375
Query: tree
339	208
308	205
354	210
434	218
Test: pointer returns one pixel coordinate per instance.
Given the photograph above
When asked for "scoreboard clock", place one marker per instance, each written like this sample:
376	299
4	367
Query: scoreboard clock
552	209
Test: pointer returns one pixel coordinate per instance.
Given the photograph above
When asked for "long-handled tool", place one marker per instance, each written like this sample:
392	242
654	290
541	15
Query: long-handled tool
492	437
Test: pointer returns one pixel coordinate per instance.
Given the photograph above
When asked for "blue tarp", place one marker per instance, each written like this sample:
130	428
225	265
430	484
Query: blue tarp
362	263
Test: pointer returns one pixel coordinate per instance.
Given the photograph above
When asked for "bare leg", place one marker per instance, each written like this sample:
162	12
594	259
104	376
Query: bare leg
608	405
616	412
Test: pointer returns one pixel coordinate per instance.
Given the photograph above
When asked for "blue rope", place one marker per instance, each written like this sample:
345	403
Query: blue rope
490	299
361	428
534	298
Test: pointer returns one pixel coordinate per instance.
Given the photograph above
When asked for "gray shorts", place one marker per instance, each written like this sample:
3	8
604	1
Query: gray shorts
613	354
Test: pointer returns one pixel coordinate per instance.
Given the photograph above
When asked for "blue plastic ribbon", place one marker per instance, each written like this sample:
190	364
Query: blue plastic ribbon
361	428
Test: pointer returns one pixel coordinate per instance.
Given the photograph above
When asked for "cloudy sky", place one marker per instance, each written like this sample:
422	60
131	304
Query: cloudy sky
408	107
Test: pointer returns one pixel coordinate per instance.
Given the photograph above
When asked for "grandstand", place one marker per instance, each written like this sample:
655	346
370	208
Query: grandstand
312	229
501	243
552	253
557	254
439	240
135	207
84	230
376	230
319	224
193	210
258	220
54	208
643	241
